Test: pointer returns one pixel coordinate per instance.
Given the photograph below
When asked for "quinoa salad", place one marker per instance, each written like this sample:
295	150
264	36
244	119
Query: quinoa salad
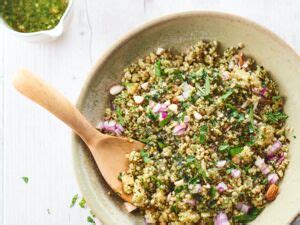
214	131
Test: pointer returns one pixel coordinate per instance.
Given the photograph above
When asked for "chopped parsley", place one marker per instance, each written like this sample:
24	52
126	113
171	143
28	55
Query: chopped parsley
74	199
90	220
227	94
203	134
25	179
119	115
223	147
145	156
235	150
246	218
158	70
82	203
165	121
275	117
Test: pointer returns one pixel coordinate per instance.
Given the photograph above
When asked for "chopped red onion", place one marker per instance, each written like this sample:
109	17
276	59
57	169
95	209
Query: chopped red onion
116	89
222	187
180	129
186	119
263	92
151	104
221	219
280	160
163	108
110	126
274	148
243	207
235	173
156	108
162	115
273	178
138	99
221	163
260	163
197	116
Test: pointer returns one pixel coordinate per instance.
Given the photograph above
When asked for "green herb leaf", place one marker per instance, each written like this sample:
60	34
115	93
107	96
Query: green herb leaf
294	137
195	179
246	218
151	116
179	189
119	116
82	203
241	118
251	117
207	85
25	179
145	156
276	98
235	150
158	70
212	191
223	147
165	121
203	134
90	220
275	117
227	94
174	209
161	145
74	199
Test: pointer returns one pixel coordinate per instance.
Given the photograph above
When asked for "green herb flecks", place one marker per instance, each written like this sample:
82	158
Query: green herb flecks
206	90
223	147
74	199
90	220
158	70
235	150
203	134
82	203
165	121
25	179
276	117
227	94
119	116
151	116
145	156
246	218
213	191
30	16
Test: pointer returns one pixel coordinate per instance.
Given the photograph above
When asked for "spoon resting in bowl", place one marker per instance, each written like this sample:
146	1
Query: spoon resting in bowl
108	151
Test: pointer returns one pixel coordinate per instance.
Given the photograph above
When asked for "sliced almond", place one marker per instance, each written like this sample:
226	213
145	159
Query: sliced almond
272	192
116	89
138	99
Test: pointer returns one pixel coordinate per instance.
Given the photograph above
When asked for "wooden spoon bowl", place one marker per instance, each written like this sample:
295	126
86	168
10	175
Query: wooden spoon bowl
108	151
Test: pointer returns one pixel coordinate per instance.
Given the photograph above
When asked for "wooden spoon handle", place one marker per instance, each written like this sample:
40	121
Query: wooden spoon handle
46	96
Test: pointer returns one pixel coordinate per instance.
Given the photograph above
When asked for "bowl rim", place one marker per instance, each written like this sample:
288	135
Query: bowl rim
138	29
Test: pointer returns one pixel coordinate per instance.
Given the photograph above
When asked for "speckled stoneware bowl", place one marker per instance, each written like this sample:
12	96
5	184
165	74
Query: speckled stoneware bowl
178	31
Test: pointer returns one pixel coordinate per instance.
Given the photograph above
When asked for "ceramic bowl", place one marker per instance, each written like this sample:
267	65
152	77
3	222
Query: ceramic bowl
178	31
44	35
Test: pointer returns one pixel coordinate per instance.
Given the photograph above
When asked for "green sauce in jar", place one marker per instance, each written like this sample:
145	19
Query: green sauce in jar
33	15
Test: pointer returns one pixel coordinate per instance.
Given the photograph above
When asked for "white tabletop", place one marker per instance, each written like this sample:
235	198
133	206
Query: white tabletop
36	144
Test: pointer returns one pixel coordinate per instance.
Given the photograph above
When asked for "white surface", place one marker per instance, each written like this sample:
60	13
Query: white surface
36	144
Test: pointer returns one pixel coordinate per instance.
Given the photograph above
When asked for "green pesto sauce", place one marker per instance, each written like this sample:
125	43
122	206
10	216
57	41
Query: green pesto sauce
33	15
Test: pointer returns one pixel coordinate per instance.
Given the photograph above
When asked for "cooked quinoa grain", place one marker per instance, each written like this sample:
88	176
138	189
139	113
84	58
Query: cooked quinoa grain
214	129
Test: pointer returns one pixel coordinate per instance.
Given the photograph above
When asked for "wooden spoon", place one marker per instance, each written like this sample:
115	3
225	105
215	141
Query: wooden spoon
108	151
